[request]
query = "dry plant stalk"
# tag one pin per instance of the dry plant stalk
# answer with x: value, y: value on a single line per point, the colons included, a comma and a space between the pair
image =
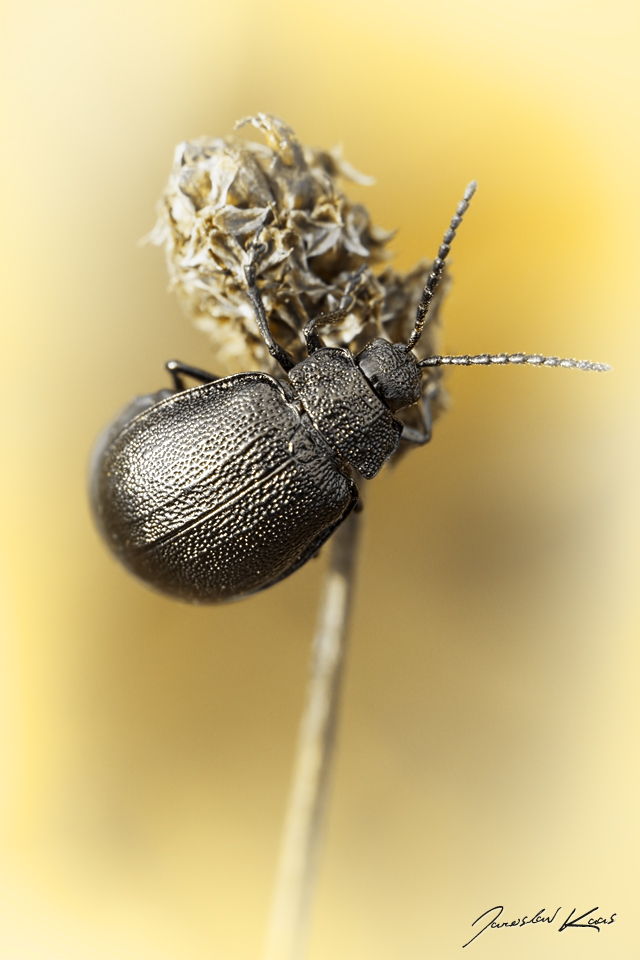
x: 227, y: 198
x: 303, y: 827
x: 223, y: 194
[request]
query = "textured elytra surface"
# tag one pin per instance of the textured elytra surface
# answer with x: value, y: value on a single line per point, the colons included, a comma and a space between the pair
x: 220, y: 491
x: 345, y: 409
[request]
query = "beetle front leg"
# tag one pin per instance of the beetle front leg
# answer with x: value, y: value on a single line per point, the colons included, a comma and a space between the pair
x: 415, y: 435
x: 278, y: 353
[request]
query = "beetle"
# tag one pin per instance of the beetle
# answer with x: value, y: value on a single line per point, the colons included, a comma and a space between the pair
x: 213, y: 493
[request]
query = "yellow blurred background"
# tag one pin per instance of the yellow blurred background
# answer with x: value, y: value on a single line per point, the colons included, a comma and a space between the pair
x: 489, y: 738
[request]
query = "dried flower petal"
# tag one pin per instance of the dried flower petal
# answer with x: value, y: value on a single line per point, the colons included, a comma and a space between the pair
x: 222, y: 192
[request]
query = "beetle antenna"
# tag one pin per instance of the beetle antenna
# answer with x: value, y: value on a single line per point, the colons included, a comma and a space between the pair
x: 501, y: 359
x: 256, y: 251
x: 437, y: 268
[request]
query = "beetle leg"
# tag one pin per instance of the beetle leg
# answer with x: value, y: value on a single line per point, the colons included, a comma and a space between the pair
x: 178, y: 370
x: 417, y: 436
x: 278, y: 353
x: 311, y: 338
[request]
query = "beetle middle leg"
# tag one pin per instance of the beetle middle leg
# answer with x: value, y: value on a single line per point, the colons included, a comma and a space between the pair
x: 178, y: 370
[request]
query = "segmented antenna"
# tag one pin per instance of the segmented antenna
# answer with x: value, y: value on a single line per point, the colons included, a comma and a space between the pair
x: 438, y: 267
x: 501, y: 359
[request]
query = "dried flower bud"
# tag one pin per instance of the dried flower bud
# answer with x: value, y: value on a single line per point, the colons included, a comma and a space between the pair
x: 222, y: 193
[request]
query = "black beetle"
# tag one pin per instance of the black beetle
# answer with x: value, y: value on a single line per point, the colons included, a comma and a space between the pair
x: 213, y: 493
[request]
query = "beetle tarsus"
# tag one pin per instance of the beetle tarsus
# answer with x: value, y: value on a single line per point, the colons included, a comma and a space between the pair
x: 312, y: 340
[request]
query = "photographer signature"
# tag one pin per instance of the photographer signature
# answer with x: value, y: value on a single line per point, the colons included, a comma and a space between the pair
x: 592, y: 923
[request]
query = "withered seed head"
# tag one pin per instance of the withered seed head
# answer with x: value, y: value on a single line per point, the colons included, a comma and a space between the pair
x: 222, y: 192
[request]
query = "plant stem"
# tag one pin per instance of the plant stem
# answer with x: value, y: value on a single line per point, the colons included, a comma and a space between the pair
x: 300, y: 844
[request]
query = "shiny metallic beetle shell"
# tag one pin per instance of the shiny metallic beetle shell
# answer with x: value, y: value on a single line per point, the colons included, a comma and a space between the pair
x: 214, y: 493
x: 219, y: 491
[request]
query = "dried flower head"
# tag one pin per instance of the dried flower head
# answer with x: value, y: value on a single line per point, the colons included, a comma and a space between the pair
x: 224, y: 192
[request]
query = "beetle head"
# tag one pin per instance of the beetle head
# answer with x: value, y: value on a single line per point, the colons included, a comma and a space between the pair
x: 393, y: 372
